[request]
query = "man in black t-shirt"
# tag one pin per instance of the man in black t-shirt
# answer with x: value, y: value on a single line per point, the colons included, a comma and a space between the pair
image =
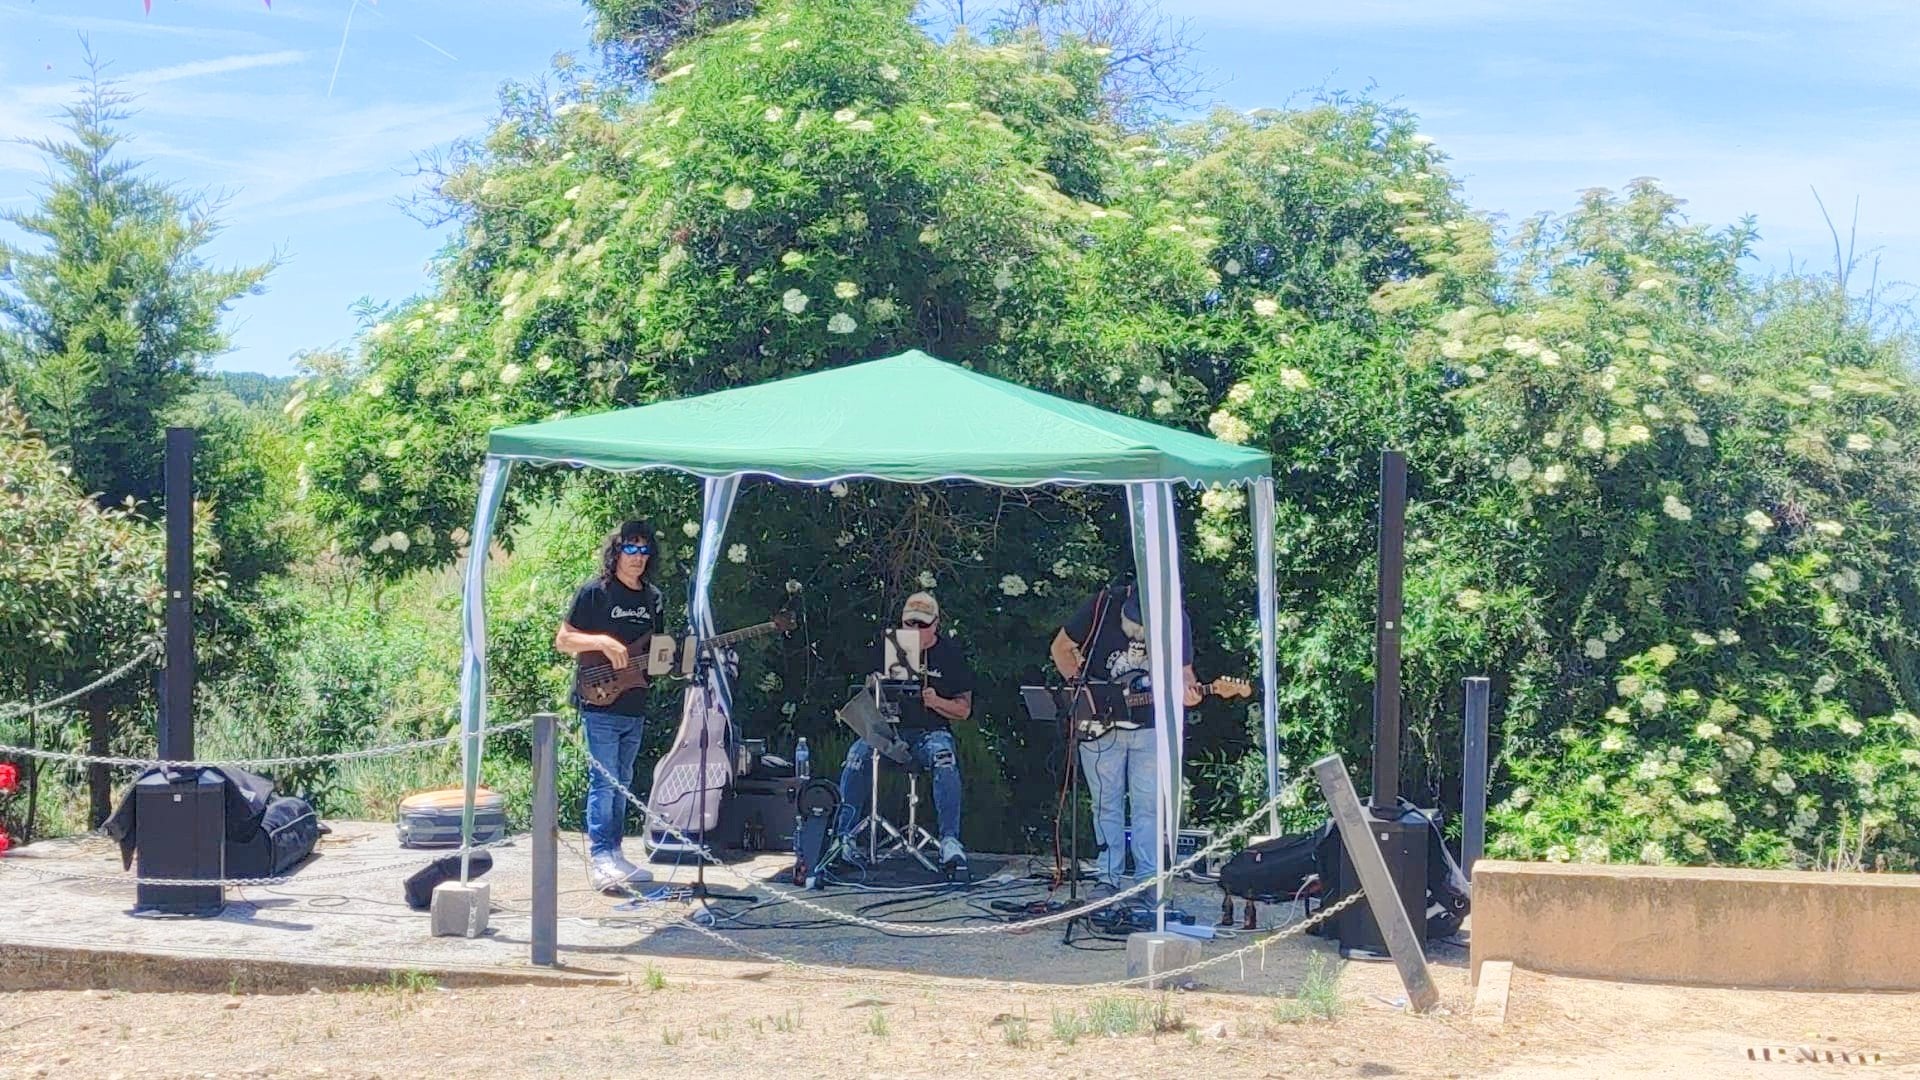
x: 947, y: 696
x: 1121, y: 765
x: 616, y: 613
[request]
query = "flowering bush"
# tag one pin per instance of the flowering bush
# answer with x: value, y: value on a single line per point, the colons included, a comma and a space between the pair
x: 1670, y: 509
x: 1717, y: 522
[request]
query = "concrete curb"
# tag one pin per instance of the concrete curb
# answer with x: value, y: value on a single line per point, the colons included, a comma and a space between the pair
x: 48, y: 965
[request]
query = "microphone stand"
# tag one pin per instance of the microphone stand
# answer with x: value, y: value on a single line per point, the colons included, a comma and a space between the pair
x: 1075, y: 687
x: 703, y: 664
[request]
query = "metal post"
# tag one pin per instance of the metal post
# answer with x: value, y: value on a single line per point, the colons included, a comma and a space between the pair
x: 546, y: 844
x: 176, y: 708
x: 1386, y: 651
x: 1383, y: 899
x: 1473, y: 781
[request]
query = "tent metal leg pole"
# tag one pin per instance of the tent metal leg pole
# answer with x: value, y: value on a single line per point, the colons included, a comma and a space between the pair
x: 546, y: 843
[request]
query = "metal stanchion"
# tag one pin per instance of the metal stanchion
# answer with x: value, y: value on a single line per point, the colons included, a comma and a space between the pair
x: 546, y: 843
x: 1362, y: 846
x: 1473, y: 780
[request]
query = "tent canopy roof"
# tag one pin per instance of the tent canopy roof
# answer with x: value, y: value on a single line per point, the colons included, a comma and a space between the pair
x: 907, y: 418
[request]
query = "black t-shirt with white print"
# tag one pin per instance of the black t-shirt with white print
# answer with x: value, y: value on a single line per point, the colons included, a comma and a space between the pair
x: 628, y: 615
x: 948, y: 672
x: 1113, y: 656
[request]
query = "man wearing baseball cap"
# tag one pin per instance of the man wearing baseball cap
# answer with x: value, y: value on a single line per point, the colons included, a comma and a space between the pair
x: 947, y: 694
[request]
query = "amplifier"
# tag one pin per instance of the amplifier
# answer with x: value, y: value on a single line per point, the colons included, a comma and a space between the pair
x: 180, y: 832
x: 1188, y: 841
x: 759, y: 814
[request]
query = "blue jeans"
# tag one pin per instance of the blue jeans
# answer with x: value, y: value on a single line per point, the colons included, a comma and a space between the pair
x: 933, y: 751
x: 1124, y: 781
x: 613, y: 740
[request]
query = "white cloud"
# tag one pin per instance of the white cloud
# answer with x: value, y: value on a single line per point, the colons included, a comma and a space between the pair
x: 199, y: 69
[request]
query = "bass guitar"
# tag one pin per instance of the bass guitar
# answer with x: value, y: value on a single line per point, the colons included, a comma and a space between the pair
x: 599, y: 683
x: 1094, y: 721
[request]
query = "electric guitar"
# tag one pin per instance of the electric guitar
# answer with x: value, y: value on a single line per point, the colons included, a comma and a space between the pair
x: 1093, y: 723
x: 599, y: 683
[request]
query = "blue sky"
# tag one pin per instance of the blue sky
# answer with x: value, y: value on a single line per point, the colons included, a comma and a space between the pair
x: 1535, y: 100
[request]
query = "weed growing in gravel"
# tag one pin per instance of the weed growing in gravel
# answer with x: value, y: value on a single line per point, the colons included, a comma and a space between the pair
x: 655, y: 978
x: 1318, y: 996
x: 877, y: 1024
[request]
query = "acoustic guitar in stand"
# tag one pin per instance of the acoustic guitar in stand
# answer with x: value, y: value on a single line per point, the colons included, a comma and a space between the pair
x: 600, y: 684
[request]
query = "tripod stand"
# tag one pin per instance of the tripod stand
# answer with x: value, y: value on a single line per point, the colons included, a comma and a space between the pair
x: 706, y: 674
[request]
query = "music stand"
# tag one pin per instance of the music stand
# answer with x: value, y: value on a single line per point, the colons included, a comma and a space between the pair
x: 897, y: 700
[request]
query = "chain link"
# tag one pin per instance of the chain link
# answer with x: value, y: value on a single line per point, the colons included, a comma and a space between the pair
x: 241, y: 883
x: 948, y: 931
x: 258, y: 763
x: 28, y: 708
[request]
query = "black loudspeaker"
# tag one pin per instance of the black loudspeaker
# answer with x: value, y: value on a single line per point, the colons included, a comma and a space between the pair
x: 420, y: 886
x: 182, y: 817
x: 1403, y: 842
x: 818, y: 803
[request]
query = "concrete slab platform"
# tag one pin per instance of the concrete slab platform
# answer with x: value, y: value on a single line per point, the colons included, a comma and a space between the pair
x: 329, y: 927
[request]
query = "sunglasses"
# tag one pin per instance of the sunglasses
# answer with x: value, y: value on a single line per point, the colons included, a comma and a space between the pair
x: 918, y: 622
x: 636, y: 549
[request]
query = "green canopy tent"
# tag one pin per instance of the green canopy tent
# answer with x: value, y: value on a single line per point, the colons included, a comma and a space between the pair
x: 911, y: 419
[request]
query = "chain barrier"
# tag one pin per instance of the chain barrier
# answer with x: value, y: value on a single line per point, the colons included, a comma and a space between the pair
x: 26, y: 864
x: 257, y: 763
x: 29, y: 708
x: 1219, y: 842
x: 1292, y: 929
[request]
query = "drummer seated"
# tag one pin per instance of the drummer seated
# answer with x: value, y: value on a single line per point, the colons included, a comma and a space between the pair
x: 947, y: 697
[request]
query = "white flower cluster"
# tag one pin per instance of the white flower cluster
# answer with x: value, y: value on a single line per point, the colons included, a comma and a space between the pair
x: 1013, y: 585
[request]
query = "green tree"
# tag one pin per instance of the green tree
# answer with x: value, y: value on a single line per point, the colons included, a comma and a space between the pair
x: 109, y: 307
x: 80, y: 586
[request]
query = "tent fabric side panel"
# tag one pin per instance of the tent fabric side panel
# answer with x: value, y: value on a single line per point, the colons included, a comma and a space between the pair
x: 473, y: 644
x: 1263, y: 523
x: 717, y: 496
x: 1156, y: 553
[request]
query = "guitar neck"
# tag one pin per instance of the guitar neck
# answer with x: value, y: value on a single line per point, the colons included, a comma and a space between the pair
x: 1134, y: 701
x: 746, y: 633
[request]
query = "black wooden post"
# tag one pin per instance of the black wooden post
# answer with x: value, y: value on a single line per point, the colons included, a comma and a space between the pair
x: 176, y: 706
x: 1386, y: 650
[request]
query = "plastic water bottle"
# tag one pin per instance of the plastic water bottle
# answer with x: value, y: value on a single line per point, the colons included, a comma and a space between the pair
x: 802, y: 761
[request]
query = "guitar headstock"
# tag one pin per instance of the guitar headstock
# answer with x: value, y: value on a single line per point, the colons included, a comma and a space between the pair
x: 782, y: 621
x: 1228, y: 687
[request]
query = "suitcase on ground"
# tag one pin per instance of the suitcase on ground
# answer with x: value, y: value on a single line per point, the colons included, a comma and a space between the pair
x: 431, y: 819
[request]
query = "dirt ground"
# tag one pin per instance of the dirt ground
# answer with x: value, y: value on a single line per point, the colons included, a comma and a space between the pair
x: 711, y: 1020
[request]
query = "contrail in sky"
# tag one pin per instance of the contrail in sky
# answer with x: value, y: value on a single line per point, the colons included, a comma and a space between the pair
x: 342, y: 54
x: 436, y: 48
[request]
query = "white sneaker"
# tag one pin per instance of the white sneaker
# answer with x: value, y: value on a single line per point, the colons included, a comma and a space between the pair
x: 634, y: 875
x: 611, y: 872
x: 951, y: 853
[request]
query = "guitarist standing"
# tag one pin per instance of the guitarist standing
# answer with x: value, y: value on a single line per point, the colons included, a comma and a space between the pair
x: 617, y: 608
x: 1121, y: 767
